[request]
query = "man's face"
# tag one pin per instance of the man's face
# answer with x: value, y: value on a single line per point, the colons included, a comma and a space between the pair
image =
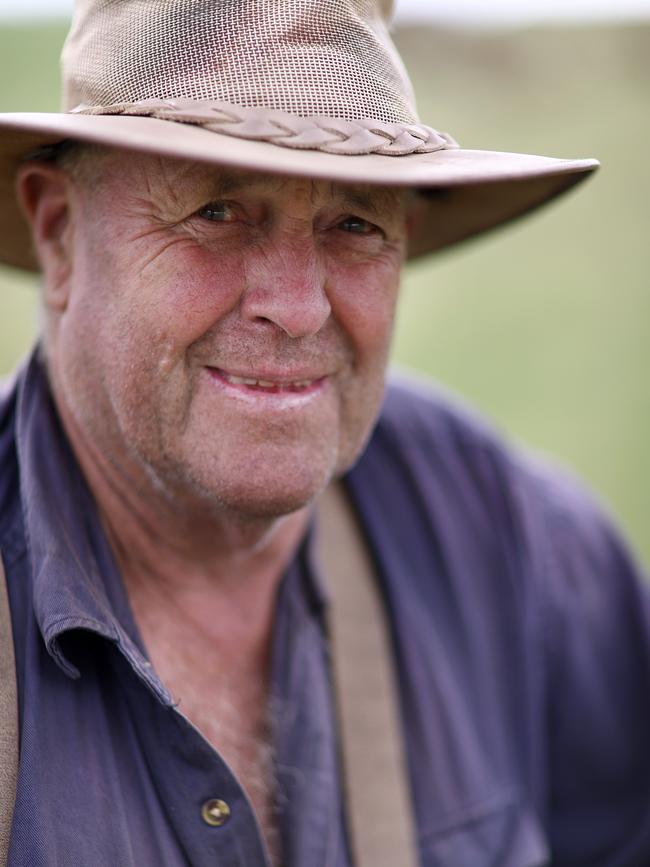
x: 226, y: 332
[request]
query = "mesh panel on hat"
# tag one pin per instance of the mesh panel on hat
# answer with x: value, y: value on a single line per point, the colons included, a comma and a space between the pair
x: 307, y: 57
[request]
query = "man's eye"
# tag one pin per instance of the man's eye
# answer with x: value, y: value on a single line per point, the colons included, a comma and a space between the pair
x: 357, y: 226
x: 218, y: 212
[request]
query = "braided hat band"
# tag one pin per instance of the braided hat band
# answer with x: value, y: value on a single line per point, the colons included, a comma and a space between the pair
x: 331, y: 135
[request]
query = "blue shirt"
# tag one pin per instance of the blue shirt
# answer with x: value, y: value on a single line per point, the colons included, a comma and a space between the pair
x: 522, y: 641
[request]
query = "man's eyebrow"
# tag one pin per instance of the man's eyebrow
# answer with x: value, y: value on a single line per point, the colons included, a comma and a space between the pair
x: 370, y: 200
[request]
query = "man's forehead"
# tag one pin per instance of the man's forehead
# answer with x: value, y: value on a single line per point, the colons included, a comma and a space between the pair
x: 234, y: 180
x: 226, y: 181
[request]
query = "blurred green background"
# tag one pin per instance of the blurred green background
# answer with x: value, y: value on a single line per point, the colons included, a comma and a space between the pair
x: 545, y: 326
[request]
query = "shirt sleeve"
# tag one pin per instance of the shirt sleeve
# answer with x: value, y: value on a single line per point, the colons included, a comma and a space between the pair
x: 597, y: 646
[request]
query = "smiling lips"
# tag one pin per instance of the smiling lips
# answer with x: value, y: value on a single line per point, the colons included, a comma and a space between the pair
x: 268, y: 386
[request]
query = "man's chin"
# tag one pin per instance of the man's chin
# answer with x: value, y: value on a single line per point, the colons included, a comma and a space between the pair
x: 268, y: 497
x: 263, y: 494
x: 256, y: 510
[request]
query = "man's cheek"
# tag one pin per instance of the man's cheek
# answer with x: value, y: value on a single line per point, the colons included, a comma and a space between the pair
x: 191, y: 291
x: 367, y: 310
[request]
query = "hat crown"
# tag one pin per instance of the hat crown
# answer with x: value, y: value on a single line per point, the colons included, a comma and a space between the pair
x: 305, y: 57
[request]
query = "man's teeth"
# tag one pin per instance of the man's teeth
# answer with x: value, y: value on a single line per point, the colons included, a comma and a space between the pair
x: 266, y: 383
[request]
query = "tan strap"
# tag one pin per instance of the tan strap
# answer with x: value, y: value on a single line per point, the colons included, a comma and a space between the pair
x: 379, y: 809
x: 8, y: 721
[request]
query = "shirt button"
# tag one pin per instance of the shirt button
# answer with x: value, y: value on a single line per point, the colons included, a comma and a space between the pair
x: 215, y: 812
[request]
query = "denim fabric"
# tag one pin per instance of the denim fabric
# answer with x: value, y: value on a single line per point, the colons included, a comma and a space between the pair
x: 521, y: 635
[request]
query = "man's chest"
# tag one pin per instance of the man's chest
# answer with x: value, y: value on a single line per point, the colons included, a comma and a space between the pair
x: 222, y: 691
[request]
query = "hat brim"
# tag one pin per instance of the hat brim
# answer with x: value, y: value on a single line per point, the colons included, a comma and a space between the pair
x: 464, y: 192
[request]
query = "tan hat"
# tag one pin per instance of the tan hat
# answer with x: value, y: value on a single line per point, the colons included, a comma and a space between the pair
x: 294, y: 87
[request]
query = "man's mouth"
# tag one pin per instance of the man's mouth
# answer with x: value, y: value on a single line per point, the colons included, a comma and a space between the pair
x: 267, y: 384
x: 284, y: 385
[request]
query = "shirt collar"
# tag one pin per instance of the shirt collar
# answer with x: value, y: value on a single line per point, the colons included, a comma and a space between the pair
x: 76, y: 584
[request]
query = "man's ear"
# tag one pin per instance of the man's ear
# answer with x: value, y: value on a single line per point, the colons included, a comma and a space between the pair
x: 44, y: 192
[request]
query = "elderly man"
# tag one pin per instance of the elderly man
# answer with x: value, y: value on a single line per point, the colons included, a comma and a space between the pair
x: 220, y: 219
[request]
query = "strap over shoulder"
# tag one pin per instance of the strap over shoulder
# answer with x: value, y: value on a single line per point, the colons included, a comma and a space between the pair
x: 379, y: 807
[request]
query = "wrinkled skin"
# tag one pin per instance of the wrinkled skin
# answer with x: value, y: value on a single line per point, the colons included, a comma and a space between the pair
x: 167, y: 272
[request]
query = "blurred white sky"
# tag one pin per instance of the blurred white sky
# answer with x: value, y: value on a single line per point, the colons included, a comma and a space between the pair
x: 466, y: 11
x: 486, y: 11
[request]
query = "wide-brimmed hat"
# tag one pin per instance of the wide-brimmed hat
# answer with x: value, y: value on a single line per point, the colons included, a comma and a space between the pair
x: 295, y: 87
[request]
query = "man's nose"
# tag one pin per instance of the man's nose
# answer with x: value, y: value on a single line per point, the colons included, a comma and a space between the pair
x: 287, y: 286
